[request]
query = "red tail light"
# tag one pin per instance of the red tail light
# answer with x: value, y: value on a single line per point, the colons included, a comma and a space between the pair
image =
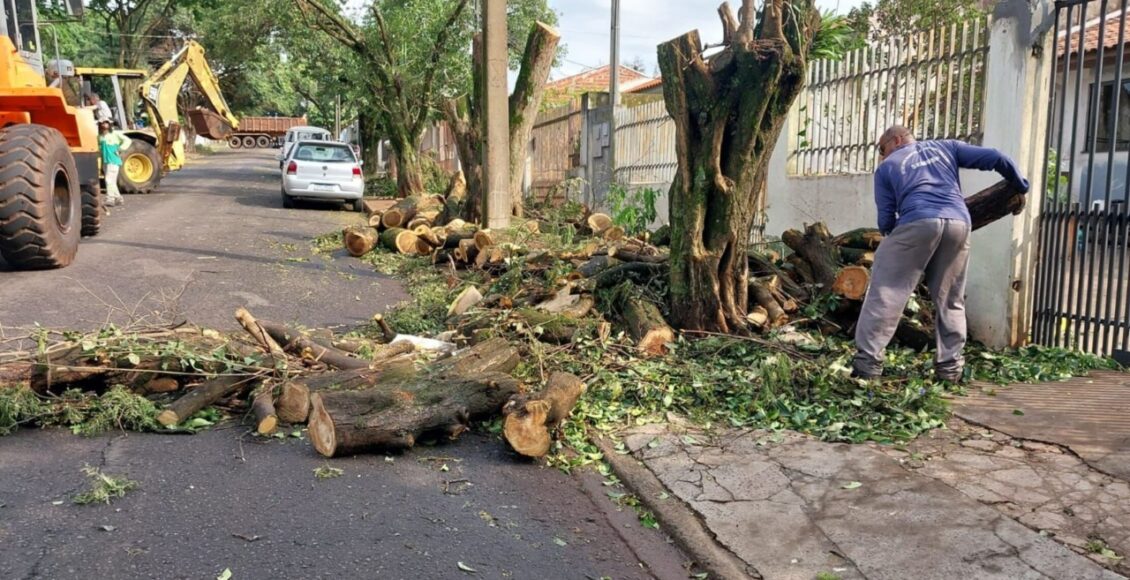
x: 356, y: 171
x: 292, y: 168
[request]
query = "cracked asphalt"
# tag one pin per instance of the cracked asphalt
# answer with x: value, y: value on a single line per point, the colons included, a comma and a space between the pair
x: 215, y: 239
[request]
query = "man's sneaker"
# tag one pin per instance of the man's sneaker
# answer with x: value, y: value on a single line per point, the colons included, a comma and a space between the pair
x: 856, y: 374
x: 950, y: 376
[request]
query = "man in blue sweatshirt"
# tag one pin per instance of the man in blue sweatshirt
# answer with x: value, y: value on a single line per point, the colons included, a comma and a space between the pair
x: 926, y: 225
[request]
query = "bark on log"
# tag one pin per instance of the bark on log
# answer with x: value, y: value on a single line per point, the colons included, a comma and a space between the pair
x: 296, y: 343
x: 199, y: 397
x: 263, y: 408
x: 387, y: 332
x: 629, y: 255
x: 466, y: 251
x: 530, y: 420
x: 857, y: 256
x: 860, y: 239
x: 852, y: 282
x: 596, y: 265
x: 400, y: 214
x: 761, y: 265
x: 816, y: 248
x: 293, y: 404
x: 801, y: 269
x: 466, y: 300
x: 637, y: 272
x: 395, y: 417
x: 661, y: 237
x: 525, y: 102
x: 993, y: 203
x: 761, y: 294
x: 455, y: 197
x: 261, y: 336
x: 359, y: 240
x: 647, y: 327
x: 455, y: 236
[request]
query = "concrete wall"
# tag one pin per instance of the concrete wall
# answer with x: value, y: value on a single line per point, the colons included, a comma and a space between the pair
x: 1002, y: 264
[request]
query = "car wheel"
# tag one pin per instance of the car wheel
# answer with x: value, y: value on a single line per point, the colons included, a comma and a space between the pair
x: 288, y: 201
x: 359, y: 205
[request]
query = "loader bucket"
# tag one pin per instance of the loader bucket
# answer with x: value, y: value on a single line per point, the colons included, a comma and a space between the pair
x: 209, y: 124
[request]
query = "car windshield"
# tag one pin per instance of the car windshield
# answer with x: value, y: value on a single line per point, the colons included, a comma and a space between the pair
x: 334, y: 153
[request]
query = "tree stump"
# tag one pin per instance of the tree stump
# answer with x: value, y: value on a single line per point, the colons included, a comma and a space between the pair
x: 725, y: 131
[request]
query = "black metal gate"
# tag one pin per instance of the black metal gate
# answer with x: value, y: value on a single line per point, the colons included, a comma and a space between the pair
x: 1082, y: 291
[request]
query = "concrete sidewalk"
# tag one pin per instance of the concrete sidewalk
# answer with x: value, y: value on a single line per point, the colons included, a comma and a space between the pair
x: 792, y: 507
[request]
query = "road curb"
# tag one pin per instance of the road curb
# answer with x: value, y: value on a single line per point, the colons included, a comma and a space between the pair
x: 677, y: 519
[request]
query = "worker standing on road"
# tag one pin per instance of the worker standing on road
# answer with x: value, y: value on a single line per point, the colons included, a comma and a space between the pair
x: 112, y: 143
x: 926, y: 225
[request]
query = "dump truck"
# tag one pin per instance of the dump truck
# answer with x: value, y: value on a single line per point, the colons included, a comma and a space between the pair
x: 49, y: 186
x: 261, y: 132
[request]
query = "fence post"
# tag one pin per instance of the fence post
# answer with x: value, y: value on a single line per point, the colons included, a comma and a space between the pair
x: 1015, y: 116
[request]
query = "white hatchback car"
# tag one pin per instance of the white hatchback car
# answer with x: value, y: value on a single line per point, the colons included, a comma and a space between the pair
x: 323, y: 170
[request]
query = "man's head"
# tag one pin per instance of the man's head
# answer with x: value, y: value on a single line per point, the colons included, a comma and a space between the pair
x: 93, y: 98
x: 892, y: 139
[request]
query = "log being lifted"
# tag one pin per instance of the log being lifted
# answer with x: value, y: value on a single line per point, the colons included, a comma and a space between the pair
x: 359, y: 240
x: 395, y: 413
x: 530, y: 419
x: 994, y: 203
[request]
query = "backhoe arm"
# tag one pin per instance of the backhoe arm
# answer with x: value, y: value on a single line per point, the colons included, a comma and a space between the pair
x: 160, y: 91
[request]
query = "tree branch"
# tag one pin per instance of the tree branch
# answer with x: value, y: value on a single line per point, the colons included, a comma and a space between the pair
x: 433, y: 63
x: 729, y: 23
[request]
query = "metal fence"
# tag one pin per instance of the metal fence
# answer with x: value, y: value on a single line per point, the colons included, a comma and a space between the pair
x: 932, y: 82
x: 1082, y: 297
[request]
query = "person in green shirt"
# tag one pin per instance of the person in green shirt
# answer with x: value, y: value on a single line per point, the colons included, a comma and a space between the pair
x: 112, y: 143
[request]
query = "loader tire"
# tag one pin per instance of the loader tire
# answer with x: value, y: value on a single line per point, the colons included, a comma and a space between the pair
x: 40, y: 201
x: 93, y: 209
x: 141, y: 168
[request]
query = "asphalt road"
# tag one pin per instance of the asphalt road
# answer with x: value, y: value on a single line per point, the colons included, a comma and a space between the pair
x: 215, y: 238
x: 222, y: 499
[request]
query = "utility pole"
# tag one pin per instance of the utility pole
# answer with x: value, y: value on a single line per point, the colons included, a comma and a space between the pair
x: 337, y: 117
x: 614, y: 89
x: 496, y: 118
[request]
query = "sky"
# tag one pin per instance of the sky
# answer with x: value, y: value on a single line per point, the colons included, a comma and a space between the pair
x: 585, y: 27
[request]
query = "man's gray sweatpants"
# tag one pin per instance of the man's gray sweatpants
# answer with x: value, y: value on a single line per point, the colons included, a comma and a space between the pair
x: 937, y: 249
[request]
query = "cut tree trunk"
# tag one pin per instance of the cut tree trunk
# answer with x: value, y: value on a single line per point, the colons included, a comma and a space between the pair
x: 816, y: 248
x: 359, y: 240
x: 399, y: 215
x: 401, y: 240
x: 761, y: 265
x: 761, y: 294
x: 199, y: 397
x: 395, y: 417
x: 263, y: 408
x: 525, y: 102
x: 530, y: 419
x: 293, y: 404
x: 598, y: 222
x: 724, y: 136
x: 647, y: 327
x: 852, y: 282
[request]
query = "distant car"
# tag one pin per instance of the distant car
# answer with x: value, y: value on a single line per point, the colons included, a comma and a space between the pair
x: 323, y: 170
x: 300, y: 133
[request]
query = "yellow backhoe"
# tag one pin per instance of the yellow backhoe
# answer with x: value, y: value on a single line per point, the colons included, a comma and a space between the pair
x: 159, y: 147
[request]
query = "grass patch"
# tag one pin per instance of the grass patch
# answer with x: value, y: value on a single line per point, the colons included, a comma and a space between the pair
x: 103, y: 488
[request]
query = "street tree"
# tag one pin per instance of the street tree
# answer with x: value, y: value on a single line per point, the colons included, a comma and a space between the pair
x: 882, y: 18
x: 403, y: 48
x: 725, y: 133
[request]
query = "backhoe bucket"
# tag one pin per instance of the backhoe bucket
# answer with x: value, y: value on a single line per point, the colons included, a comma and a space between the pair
x: 209, y: 124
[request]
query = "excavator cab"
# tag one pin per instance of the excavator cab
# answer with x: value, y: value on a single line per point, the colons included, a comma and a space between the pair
x: 50, y: 194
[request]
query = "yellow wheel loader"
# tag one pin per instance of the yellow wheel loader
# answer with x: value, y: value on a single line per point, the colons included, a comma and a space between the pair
x: 49, y: 192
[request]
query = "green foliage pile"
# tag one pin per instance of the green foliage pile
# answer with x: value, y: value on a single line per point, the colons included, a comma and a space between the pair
x: 84, y: 413
x: 380, y: 187
x: 727, y: 381
x: 633, y: 210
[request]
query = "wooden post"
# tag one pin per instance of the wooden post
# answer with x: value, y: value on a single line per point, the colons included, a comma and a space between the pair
x: 496, y: 152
